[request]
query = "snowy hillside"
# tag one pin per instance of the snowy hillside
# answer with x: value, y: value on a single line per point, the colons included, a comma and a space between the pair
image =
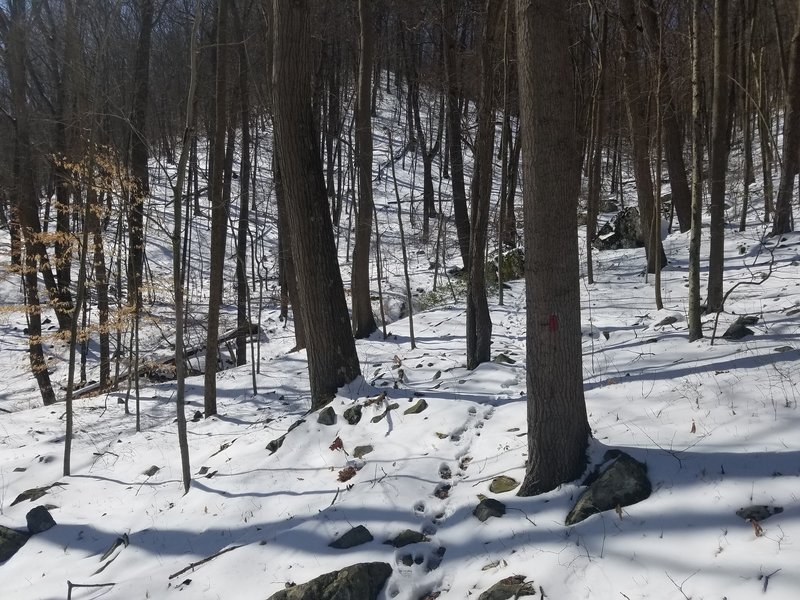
x: 715, y: 422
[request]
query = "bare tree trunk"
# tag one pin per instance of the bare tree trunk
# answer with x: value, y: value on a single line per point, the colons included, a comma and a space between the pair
x: 636, y: 101
x: 288, y: 278
x: 454, y: 130
x: 558, y: 431
x: 479, y: 322
x: 242, y: 291
x: 673, y: 134
x: 791, y: 140
x: 219, y: 212
x: 765, y: 140
x: 363, y: 317
x: 596, y: 148
x: 94, y: 225
x: 24, y: 201
x: 719, y: 156
x: 332, y: 358
x: 178, y: 252
x: 695, y: 310
x: 139, y: 155
x: 748, y: 103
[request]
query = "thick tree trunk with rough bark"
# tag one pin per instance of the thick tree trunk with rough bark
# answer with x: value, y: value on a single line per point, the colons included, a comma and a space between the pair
x: 332, y: 359
x: 558, y: 431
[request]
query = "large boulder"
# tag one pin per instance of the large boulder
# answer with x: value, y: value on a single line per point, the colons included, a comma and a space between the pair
x: 510, y: 264
x: 624, y: 230
x: 10, y: 541
x: 362, y: 581
x: 621, y: 483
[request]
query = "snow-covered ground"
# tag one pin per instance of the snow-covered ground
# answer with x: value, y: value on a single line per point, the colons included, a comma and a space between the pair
x: 716, y: 424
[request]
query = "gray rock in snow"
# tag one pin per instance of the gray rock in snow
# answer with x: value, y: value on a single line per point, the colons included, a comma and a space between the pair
x: 363, y: 581
x: 739, y: 328
x: 622, y: 483
x: 758, y: 512
x: 489, y: 507
x: 327, y: 416
x: 510, y: 587
x: 355, y: 537
x: 39, y: 519
x: 10, y: 542
x: 353, y: 414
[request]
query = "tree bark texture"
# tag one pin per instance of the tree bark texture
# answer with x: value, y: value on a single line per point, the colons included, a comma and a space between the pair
x: 558, y: 431
x: 332, y: 358
x: 719, y: 157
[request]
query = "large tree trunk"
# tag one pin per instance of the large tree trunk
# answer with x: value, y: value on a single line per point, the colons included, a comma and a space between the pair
x: 332, y: 358
x: 636, y: 101
x: 454, y: 130
x: 558, y: 431
x: 719, y: 157
x: 219, y: 213
x: 479, y: 322
x: 791, y: 140
x: 363, y: 317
